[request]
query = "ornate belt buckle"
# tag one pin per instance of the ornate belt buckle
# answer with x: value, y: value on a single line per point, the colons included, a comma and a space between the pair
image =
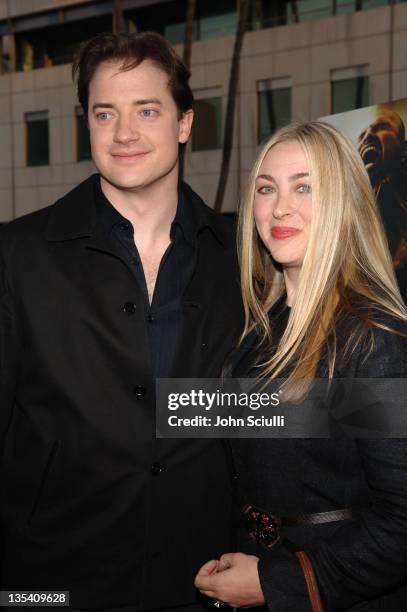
x: 263, y: 527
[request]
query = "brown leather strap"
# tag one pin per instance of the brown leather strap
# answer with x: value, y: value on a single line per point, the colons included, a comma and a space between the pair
x: 310, y: 580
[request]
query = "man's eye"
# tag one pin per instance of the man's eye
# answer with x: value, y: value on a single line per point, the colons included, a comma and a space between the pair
x: 103, y: 116
x: 148, y: 112
x: 266, y: 189
x: 304, y: 189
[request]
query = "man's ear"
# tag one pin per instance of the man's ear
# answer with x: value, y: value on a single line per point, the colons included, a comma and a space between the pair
x: 185, y: 125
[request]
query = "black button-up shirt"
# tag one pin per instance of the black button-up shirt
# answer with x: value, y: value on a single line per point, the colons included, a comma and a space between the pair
x: 163, y: 316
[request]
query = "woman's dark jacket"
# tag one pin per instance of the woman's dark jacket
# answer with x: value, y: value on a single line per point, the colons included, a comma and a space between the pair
x: 360, y: 564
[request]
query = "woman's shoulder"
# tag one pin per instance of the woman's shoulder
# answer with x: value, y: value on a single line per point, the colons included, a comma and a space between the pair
x: 372, y: 345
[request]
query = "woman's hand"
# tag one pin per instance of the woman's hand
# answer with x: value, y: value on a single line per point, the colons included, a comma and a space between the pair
x: 233, y: 580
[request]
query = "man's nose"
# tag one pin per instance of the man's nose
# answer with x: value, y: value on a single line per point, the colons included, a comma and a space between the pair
x: 126, y: 130
x: 371, y: 130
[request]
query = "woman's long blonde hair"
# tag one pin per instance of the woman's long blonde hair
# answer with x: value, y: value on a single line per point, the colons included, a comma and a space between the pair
x: 347, y: 256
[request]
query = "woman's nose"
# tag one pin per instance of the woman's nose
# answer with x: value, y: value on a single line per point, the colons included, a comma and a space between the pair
x: 282, y: 206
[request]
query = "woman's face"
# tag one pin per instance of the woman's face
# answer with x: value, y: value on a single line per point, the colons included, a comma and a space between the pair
x: 282, y: 203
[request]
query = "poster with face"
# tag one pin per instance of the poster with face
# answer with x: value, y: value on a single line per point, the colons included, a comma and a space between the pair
x: 379, y: 133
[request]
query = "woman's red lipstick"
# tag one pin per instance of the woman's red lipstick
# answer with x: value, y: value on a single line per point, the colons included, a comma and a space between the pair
x: 280, y: 232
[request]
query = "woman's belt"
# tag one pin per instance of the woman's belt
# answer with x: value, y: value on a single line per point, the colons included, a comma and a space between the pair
x: 265, y: 528
x: 317, y: 518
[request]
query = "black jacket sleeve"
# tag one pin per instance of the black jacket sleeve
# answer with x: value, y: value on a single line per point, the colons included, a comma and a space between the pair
x: 10, y: 346
x: 367, y: 557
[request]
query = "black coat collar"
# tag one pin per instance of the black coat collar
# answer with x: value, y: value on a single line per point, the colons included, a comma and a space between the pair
x: 74, y: 215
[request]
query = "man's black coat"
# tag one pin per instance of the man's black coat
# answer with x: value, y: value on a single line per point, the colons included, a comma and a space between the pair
x: 90, y: 501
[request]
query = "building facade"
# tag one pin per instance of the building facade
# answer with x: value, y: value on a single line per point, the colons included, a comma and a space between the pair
x: 300, y: 60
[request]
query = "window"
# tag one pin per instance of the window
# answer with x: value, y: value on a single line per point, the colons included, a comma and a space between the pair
x: 213, y: 18
x: 207, y: 126
x: 370, y: 4
x: 56, y: 44
x: 37, y: 138
x: 83, y: 151
x: 216, y: 18
x: 349, y: 89
x: 308, y: 10
x: 274, y: 106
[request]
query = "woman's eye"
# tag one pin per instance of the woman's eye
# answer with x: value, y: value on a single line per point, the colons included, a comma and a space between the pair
x: 266, y: 189
x: 304, y: 189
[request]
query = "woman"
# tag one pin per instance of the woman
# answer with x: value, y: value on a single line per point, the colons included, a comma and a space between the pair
x: 321, y: 300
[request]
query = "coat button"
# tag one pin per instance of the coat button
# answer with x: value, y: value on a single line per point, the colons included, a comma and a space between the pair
x: 157, y: 469
x: 139, y: 391
x: 129, y: 308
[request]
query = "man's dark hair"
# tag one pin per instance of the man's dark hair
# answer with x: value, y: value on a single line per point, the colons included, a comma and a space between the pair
x: 131, y: 50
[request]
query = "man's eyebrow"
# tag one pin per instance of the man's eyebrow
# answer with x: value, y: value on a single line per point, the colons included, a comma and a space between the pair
x: 102, y: 105
x: 142, y: 102
x: 293, y: 177
x: 148, y: 101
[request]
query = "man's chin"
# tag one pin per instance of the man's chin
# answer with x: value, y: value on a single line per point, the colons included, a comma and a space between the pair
x: 135, y: 179
x: 126, y: 183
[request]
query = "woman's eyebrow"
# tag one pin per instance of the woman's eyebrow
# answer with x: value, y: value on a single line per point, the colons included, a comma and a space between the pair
x: 298, y: 175
x: 293, y: 177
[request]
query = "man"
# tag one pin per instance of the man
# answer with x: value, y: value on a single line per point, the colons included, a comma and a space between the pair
x: 383, y: 148
x: 126, y: 278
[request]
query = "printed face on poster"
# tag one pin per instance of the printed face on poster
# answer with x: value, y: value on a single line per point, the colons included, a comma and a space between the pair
x: 379, y: 133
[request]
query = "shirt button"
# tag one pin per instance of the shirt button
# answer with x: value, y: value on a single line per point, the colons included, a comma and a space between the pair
x: 157, y: 469
x: 129, y: 308
x: 139, y: 391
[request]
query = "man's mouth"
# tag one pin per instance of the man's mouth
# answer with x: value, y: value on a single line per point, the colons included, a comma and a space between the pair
x: 370, y: 154
x: 129, y: 156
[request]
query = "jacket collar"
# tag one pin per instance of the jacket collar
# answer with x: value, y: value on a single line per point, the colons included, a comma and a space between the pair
x: 203, y: 216
x: 74, y: 215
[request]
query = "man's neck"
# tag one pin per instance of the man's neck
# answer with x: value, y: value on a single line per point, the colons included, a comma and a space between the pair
x: 150, y: 209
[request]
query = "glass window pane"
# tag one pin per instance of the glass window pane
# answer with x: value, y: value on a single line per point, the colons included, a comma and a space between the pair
x: 349, y: 94
x: 346, y: 6
x: 82, y: 137
x: 370, y: 4
x: 309, y: 10
x: 217, y: 25
x: 207, y: 126
x: 37, y: 138
x: 175, y: 33
x: 274, y: 111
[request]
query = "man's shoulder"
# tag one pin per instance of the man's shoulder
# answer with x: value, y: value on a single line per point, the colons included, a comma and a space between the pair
x: 26, y: 226
x: 223, y: 225
x: 33, y: 225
